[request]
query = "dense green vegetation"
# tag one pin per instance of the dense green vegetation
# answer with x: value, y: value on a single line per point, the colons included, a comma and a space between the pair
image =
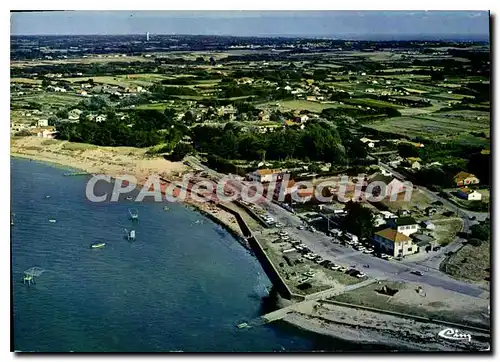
x: 318, y: 142
x: 359, y: 220
x: 144, y: 128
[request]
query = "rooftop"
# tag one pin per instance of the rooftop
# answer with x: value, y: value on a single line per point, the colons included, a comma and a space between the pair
x: 266, y: 171
x: 405, y: 220
x: 462, y: 175
x: 392, y: 235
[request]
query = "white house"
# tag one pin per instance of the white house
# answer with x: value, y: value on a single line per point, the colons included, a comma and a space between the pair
x: 394, y: 243
x: 43, y: 122
x: 264, y: 175
x: 405, y: 225
x: 304, y: 118
x: 100, y: 118
x: 74, y: 114
x: 468, y: 194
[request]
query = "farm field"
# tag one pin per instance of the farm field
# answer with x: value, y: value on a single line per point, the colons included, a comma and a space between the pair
x: 301, y: 104
x: 122, y: 80
x: 452, y: 123
x: 25, y: 80
x: 52, y: 99
x: 372, y: 102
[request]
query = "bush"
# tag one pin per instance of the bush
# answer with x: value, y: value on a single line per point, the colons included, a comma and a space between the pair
x: 23, y: 133
x: 481, y: 232
x: 475, y: 242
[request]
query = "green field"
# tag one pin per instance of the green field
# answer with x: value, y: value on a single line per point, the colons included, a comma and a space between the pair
x: 25, y: 80
x: 300, y: 105
x: 50, y: 99
x: 124, y: 80
x: 453, y: 123
x: 369, y: 102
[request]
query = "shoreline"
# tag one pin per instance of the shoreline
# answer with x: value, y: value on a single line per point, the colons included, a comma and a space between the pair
x: 201, y: 208
x: 352, y: 332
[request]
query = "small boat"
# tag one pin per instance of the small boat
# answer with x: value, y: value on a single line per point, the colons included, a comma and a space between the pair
x: 129, y: 198
x: 243, y: 325
x: 166, y: 208
x: 52, y: 220
x: 97, y: 245
x: 47, y: 196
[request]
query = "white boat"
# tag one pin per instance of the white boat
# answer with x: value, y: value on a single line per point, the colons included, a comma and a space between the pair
x: 97, y: 245
x: 52, y: 220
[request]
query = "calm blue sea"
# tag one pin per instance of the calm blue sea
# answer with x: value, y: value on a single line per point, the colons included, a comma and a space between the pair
x: 179, y: 286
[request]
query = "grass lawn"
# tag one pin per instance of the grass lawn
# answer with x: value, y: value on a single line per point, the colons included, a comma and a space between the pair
x: 469, y: 263
x: 25, y: 80
x: 418, y: 200
x: 446, y: 230
x: 154, y: 106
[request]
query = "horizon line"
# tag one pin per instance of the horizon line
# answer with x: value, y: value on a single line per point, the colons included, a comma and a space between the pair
x: 361, y: 37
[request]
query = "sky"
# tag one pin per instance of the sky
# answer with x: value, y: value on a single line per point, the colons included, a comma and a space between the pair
x: 334, y: 24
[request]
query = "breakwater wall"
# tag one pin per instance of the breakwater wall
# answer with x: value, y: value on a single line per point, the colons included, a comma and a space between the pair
x: 265, y: 261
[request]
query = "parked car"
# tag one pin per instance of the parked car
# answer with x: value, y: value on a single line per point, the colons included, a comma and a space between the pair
x: 309, y: 274
x: 301, y: 227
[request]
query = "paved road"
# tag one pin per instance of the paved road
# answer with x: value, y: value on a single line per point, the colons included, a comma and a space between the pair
x: 378, y: 268
x: 466, y: 214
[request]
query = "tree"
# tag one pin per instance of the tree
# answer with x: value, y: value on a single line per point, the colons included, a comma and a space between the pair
x: 437, y: 76
x: 181, y: 150
x: 359, y: 220
x: 475, y: 242
x: 46, y: 83
x: 188, y: 118
x: 170, y: 114
x: 62, y: 113
x: 480, y: 165
x: 481, y: 232
x: 52, y: 120
x: 406, y: 150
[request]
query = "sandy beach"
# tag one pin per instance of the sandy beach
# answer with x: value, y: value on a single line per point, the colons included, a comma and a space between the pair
x: 374, y: 328
x: 114, y: 162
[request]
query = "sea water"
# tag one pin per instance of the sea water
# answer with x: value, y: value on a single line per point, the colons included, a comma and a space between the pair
x: 180, y: 286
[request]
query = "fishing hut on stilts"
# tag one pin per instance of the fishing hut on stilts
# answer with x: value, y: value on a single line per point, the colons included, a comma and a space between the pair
x: 31, y: 273
x: 134, y: 214
x: 130, y: 235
